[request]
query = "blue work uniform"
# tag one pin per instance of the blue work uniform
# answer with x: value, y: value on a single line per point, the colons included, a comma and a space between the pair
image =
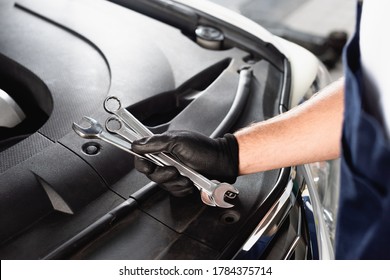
x: 363, y: 225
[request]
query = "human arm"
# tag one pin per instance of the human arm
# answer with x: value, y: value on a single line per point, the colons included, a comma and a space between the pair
x: 307, y: 133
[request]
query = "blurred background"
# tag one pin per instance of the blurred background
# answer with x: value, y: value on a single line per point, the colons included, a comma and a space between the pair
x: 322, y: 26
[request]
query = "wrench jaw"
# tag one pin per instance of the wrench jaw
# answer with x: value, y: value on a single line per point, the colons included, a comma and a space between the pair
x: 92, y: 130
x: 221, y: 191
x: 217, y: 197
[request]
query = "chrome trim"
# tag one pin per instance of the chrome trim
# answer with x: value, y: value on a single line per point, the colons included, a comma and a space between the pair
x: 292, y: 248
x: 294, y: 244
x: 325, y: 247
x: 271, y: 222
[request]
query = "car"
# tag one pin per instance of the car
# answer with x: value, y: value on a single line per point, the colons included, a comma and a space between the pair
x: 174, y: 64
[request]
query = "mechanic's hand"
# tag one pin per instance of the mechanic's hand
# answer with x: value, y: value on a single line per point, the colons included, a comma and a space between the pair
x: 217, y: 159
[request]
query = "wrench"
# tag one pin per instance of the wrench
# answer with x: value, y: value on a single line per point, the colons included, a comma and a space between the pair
x: 94, y: 130
x: 214, y: 190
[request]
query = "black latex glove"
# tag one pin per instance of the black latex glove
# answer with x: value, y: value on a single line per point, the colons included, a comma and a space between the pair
x: 217, y: 159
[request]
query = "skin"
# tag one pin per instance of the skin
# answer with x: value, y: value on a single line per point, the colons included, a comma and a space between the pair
x: 308, y: 133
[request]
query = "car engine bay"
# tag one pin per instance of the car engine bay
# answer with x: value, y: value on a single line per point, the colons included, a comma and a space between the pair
x: 62, y: 196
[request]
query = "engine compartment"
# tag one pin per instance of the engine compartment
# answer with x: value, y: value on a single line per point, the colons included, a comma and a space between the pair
x: 66, y: 197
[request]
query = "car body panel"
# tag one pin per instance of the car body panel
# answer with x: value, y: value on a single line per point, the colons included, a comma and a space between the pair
x: 67, y: 197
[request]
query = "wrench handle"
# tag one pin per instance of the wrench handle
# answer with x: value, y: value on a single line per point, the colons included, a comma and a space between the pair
x: 133, y: 122
x: 123, y: 145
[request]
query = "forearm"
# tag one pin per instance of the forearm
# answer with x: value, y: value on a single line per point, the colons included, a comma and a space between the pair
x: 308, y: 133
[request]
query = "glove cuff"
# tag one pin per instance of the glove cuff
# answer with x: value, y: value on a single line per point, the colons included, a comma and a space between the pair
x: 231, y: 148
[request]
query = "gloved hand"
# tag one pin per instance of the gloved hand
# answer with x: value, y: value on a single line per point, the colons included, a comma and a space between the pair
x: 217, y: 159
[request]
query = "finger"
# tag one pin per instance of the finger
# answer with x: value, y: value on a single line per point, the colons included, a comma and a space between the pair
x: 163, y: 174
x: 144, y: 166
x: 180, y: 187
x: 170, y: 180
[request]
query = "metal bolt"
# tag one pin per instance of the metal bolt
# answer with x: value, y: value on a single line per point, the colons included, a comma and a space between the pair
x: 91, y: 148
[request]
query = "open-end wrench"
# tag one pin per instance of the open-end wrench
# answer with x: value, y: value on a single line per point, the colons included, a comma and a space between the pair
x: 212, y: 192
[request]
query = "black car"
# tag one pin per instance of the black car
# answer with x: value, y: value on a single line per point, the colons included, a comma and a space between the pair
x: 188, y: 65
